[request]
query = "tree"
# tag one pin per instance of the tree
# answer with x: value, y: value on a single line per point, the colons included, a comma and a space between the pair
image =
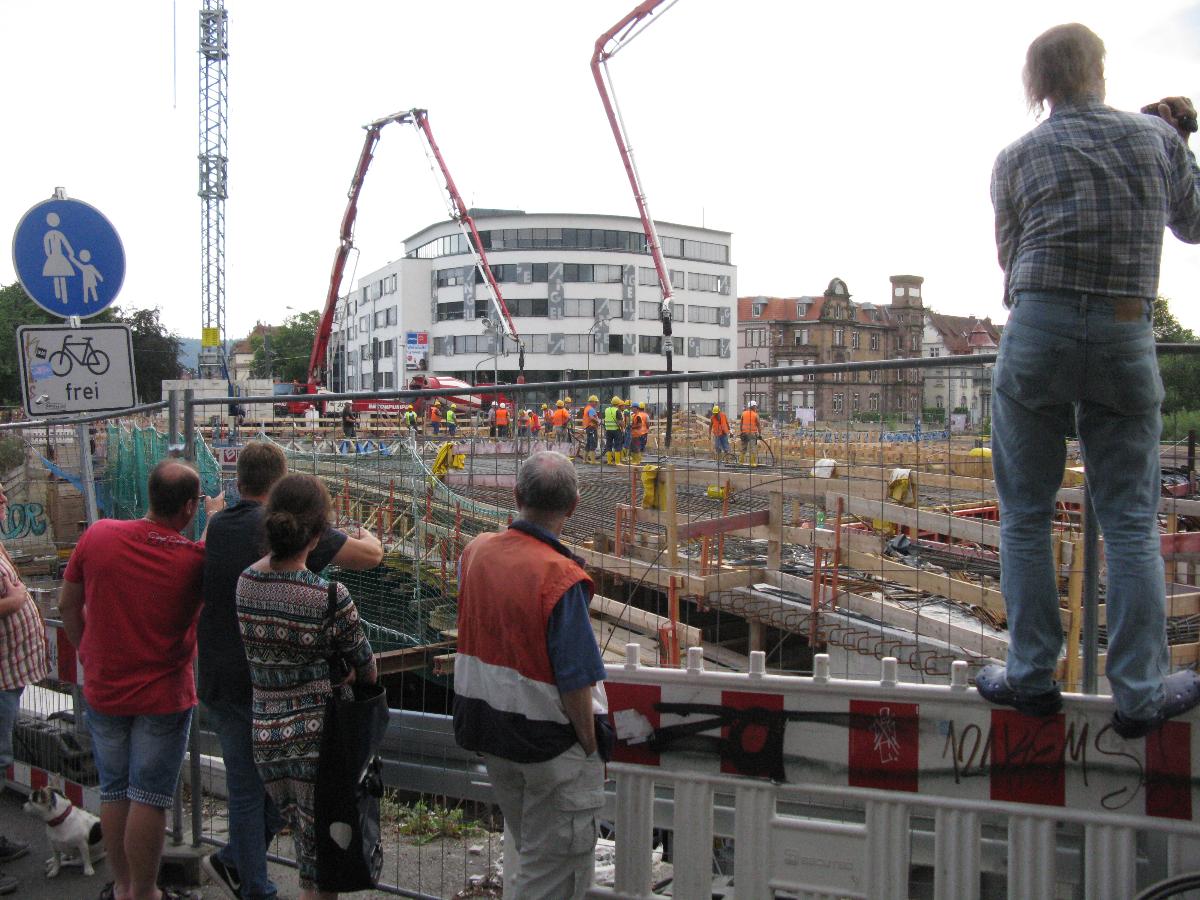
x: 1180, y: 372
x: 155, y: 351
x: 283, y: 353
x: 16, y: 309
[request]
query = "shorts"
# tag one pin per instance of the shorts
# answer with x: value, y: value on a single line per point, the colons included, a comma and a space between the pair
x: 139, y: 757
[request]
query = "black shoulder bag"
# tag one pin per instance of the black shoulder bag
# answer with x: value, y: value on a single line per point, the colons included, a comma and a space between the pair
x: 349, y: 783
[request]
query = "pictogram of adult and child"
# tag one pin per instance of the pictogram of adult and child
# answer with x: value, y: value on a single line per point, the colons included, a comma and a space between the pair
x: 62, y: 263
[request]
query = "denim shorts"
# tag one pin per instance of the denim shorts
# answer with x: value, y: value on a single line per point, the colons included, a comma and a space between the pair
x: 139, y: 757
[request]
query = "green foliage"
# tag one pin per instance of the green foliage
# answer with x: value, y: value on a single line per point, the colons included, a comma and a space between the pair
x: 933, y: 414
x: 865, y: 417
x: 12, y: 452
x: 1167, y: 329
x: 985, y: 426
x: 283, y: 355
x: 1176, y: 425
x: 426, y: 822
x: 1180, y: 372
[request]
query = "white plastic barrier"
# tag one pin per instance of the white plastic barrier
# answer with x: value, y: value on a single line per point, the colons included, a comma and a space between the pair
x: 884, y: 752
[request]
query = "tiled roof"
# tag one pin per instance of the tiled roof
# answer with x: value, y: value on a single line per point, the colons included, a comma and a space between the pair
x: 784, y: 309
x: 956, y: 330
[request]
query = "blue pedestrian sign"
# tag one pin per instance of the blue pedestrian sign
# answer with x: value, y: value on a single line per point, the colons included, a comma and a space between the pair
x: 68, y: 258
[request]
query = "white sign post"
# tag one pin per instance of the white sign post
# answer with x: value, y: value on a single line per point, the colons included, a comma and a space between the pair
x: 69, y: 370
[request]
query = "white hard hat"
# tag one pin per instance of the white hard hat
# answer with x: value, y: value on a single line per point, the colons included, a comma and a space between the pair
x: 504, y: 406
x: 754, y: 403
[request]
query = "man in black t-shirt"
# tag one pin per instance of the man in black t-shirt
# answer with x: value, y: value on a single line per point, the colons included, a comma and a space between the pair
x: 235, y: 541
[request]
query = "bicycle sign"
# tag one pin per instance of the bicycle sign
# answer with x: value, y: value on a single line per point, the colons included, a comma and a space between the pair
x: 67, y: 371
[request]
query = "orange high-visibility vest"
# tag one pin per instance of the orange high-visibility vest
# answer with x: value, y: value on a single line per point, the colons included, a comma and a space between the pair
x: 561, y: 417
x: 749, y: 421
x: 435, y: 414
x: 591, y: 418
x: 534, y: 422
x: 720, y: 424
x: 501, y: 416
x: 641, y: 423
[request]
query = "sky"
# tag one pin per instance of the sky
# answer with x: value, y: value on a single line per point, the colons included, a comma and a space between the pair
x: 849, y: 139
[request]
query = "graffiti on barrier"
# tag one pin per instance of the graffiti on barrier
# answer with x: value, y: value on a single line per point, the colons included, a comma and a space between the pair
x: 23, y: 520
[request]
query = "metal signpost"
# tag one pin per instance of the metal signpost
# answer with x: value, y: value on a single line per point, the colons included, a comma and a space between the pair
x: 71, y: 263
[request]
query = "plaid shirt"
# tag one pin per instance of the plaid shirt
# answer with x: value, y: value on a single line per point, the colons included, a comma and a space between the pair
x: 22, y: 635
x: 1082, y: 200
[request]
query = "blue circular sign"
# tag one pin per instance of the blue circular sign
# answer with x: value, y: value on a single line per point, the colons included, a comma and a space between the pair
x: 68, y: 258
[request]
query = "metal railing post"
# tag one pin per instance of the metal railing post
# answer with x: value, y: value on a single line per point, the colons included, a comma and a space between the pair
x: 194, y: 773
x: 173, y: 420
x: 1091, y: 594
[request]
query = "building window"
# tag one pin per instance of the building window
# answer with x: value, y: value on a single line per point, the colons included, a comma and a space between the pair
x: 707, y: 315
x: 364, y: 324
x: 874, y: 340
x: 838, y: 402
x: 854, y: 338
x: 802, y: 337
x: 755, y: 396
x: 755, y: 337
x: 386, y: 349
x: 874, y: 376
x: 935, y: 352
x: 854, y: 404
x: 700, y: 281
x: 386, y: 380
x: 708, y: 346
x: 651, y: 309
x: 839, y: 337
x: 914, y: 343
x: 677, y: 277
x: 873, y: 403
x: 650, y: 343
x: 939, y: 401
x: 450, y: 312
x: 801, y: 310
x: 585, y: 309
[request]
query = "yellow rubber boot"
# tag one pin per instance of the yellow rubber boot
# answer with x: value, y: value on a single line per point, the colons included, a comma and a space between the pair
x: 753, y: 458
x: 637, y: 459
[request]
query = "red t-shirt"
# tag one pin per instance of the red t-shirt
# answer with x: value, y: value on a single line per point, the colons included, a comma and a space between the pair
x: 141, y: 596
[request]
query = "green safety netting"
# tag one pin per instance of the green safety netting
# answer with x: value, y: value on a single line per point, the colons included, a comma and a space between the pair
x: 131, y: 453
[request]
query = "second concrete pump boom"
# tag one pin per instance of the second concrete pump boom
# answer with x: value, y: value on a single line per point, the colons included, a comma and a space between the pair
x: 458, y: 211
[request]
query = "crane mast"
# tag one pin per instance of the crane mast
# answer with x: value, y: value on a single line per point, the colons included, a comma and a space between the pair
x: 607, y: 46
x: 214, y: 164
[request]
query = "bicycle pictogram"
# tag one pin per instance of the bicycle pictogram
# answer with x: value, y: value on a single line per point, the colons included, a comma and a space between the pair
x: 81, y: 351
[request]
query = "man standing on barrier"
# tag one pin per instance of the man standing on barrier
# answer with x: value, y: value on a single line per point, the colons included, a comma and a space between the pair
x: 1081, y: 203
x: 23, y: 662
x: 234, y: 543
x: 527, y: 682
x: 129, y: 602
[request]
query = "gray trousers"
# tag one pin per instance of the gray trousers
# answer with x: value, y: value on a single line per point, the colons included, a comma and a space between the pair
x: 550, y: 813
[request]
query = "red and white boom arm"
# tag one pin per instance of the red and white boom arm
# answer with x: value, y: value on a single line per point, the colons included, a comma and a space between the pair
x: 419, y: 118
x: 607, y: 46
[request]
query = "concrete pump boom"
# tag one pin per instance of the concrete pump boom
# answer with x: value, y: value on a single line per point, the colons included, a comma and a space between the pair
x: 458, y: 211
x: 607, y: 46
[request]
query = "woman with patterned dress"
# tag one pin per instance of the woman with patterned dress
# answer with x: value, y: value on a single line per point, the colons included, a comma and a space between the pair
x: 287, y: 635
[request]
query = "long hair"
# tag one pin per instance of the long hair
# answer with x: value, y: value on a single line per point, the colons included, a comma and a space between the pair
x: 1065, y: 63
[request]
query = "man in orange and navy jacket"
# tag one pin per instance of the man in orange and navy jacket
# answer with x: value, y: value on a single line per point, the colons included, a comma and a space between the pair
x: 528, y: 682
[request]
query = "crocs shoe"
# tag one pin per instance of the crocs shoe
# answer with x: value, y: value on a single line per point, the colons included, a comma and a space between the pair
x: 1182, y: 693
x: 992, y: 684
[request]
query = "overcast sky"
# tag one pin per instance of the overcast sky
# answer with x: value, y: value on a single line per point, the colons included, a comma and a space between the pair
x: 847, y: 139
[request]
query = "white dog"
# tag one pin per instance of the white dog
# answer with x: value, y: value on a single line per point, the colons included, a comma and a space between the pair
x: 69, y: 828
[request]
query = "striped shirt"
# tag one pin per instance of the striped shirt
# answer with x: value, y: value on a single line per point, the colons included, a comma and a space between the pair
x: 1082, y: 200
x: 22, y: 635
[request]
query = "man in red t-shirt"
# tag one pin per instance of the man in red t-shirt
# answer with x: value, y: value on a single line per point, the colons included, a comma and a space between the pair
x: 129, y: 602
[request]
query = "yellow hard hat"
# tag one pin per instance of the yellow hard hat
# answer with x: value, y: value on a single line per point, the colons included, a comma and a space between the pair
x: 641, y: 404
x: 544, y: 406
x: 593, y: 399
x: 616, y: 401
x: 716, y: 408
x: 561, y: 403
x: 568, y: 400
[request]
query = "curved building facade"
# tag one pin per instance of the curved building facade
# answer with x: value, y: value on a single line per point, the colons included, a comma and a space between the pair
x: 582, y: 291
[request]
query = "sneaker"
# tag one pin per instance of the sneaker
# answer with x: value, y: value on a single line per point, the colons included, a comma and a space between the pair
x: 8, y: 884
x: 223, y: 876
x: 10, y: 850
x: 992, y: 684
x: 1182, y: 694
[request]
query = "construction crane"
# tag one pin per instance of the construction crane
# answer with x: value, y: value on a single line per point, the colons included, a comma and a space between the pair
x: 214, y: 189
x: 458, y: 212
x: 607, y: 46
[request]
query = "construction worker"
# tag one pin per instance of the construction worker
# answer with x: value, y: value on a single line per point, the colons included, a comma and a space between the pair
x: 452, y: 419
x: 569, y: 406
x: 522, y: 423
x: 626, y: 429
x: 719, y: 429
x: 639, y: 429
x: 751, y: 432
x: 547, y: 424
x: 614, y: 435
x: 491, y: 418
x: 411, y: 420
x: 535, y: 424
x: 560, y: 417
x: 435, y: 418
x: 502, y: 421
x: 591, y: 428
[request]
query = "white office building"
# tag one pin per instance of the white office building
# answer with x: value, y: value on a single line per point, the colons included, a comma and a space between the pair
x: 582, y: 292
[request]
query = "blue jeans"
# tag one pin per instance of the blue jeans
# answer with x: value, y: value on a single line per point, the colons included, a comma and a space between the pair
x: 1067, y: 354
x: 253, y: 818
x: 138, y: 757
x: 10, y: 708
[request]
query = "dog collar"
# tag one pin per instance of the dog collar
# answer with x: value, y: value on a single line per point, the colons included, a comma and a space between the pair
x: 58, y: 820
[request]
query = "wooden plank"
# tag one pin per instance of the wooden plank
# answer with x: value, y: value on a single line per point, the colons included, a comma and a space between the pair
x: 1075, y: 613
x: 1183, y: 604
x: 1169, y: 505
x: 1181, y: 655
x: 939, y: 583
x: 974, y: 530
x: 408, y: 659
x: 641, y: 620
x: 659, y: 576
x: 861, y: 541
